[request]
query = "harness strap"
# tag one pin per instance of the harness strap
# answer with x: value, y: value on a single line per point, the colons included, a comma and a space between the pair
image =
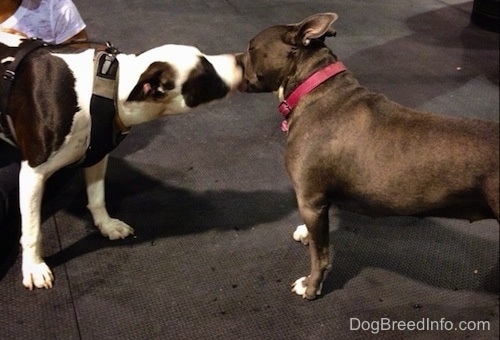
x: 105, y: 132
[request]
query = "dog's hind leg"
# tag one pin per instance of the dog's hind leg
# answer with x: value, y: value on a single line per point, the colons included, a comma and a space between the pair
x: 35, y: 272
x: 109, y: 227
x: 314, y: 213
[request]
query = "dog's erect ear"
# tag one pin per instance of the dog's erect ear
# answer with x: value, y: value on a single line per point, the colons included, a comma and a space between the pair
x: 316, y: 26
x: 154, y: 83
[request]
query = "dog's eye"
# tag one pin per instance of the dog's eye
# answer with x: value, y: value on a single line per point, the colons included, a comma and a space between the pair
x: 169, y: 85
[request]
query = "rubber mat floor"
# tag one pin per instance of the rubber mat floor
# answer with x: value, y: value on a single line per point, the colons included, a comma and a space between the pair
x: 213, y: 209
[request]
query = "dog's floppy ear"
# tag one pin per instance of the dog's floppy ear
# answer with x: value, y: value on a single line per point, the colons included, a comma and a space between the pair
x: 154, y: 83
x: 316, y: 26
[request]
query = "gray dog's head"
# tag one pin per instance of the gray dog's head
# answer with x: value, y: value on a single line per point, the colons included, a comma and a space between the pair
x: 274, y: 53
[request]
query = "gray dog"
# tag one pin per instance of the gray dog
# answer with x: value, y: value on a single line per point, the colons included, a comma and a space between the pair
x: 359, y: 150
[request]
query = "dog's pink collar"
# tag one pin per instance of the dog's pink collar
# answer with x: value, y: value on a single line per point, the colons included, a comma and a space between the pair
x: 287, y: 105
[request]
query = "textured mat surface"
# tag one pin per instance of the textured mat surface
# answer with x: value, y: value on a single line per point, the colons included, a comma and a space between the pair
x: 214, y: 211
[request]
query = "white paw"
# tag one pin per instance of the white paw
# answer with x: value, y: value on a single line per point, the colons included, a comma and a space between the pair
x: 299, y: 287
x: 37, y: 275
x: 115, y: 229
x: 301, y: 234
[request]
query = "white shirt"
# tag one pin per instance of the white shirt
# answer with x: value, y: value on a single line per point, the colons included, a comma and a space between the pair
x: 53, y: 21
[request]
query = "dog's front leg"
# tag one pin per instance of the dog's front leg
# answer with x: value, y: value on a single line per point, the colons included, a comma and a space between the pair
x: 316, y: 234
x: 31, y: 184
x: 109, y: 227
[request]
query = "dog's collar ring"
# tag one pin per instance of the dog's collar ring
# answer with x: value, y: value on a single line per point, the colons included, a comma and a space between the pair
x: 285, y: 109
x: 284, y: 125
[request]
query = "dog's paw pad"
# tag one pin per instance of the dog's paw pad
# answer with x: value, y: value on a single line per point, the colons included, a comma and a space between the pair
x: 37, y: 275
x: 115, y: 229
x: 301, y: 234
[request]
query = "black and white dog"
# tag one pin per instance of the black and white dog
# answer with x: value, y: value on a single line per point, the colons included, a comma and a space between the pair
x: 49, y: 115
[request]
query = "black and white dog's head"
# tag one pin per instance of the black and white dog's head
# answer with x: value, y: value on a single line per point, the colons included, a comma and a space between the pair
x: 203, y: 83
x: 171, y: 79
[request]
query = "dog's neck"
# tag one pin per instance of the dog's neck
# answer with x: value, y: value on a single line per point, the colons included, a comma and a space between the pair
x: 307, y: 86
x: 303, y: 65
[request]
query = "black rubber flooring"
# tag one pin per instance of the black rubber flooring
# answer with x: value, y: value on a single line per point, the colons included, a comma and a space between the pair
x: 213, y: 209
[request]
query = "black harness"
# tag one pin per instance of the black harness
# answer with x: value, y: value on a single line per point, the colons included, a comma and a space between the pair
x: 106, y: 128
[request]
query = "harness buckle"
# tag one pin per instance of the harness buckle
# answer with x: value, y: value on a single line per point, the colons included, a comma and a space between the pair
x: 285, y: 109
x: 107, y: 63
x: 110, y: 49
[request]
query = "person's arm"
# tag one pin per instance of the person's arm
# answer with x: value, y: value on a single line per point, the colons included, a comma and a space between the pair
x: 68, y: 23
